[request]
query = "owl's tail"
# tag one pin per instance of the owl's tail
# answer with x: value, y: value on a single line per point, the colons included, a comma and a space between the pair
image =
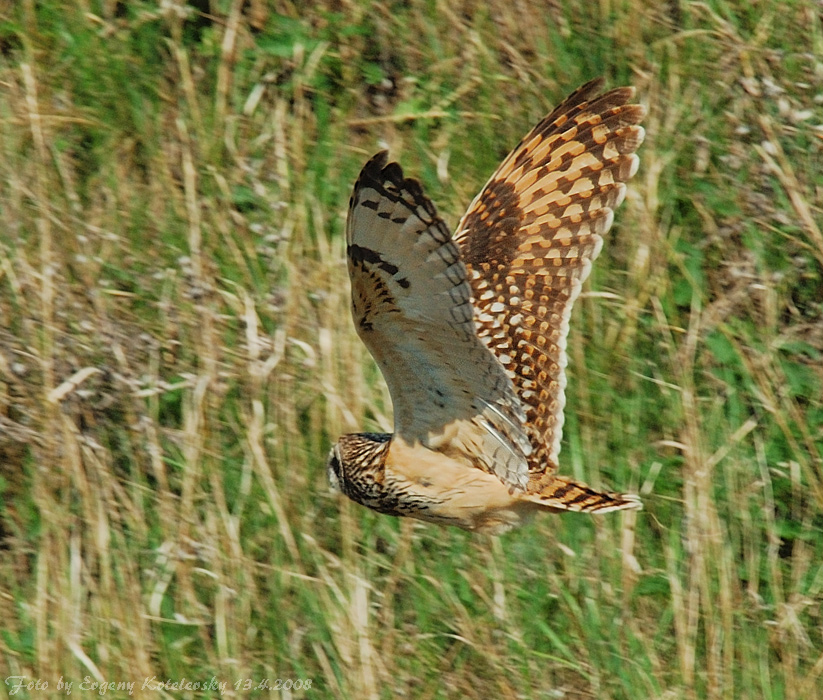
x: 559, y: 493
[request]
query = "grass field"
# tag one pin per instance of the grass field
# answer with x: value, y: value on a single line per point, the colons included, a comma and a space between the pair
x: 177, y: 356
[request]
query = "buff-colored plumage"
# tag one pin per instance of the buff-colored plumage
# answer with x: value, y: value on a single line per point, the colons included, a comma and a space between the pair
x: 470, y: 331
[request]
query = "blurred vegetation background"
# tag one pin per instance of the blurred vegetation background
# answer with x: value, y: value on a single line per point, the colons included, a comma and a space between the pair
x: 176, y: 351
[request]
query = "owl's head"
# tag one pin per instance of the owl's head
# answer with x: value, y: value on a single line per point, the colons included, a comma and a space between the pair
x: 355, y: 464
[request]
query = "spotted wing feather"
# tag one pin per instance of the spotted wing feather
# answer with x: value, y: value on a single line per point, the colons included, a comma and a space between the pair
x: 529, y: 239
x: 411, y: 304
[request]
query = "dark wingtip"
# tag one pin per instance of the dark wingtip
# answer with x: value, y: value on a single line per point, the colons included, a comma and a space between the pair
x: 374, y: 167
x: 378, y: 171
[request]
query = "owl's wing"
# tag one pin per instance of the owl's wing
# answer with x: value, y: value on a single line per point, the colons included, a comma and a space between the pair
x: 529, y: 239
x: 411, y: 305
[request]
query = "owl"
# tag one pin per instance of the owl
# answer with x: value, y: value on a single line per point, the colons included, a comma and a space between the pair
x: 469, y: 330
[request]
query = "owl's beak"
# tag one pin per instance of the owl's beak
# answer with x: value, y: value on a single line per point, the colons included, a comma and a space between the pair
x: 333, y: 467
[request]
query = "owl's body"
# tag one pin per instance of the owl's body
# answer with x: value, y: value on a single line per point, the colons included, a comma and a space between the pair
x: 470, y: 331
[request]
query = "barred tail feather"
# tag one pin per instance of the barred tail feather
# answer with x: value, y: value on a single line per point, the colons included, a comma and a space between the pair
x: 564, y: 494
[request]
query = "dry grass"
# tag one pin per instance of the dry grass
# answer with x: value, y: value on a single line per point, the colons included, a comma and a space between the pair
x: 176, y: 353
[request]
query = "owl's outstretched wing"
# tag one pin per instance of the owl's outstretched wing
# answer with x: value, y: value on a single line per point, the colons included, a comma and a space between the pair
x: 411, y: 304
x: 529, y: 239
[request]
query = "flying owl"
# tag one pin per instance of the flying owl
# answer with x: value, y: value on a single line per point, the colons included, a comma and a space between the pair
x: 470, y: 330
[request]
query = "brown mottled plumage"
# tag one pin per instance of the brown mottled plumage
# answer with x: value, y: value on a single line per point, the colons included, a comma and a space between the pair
x: 470, y: 332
